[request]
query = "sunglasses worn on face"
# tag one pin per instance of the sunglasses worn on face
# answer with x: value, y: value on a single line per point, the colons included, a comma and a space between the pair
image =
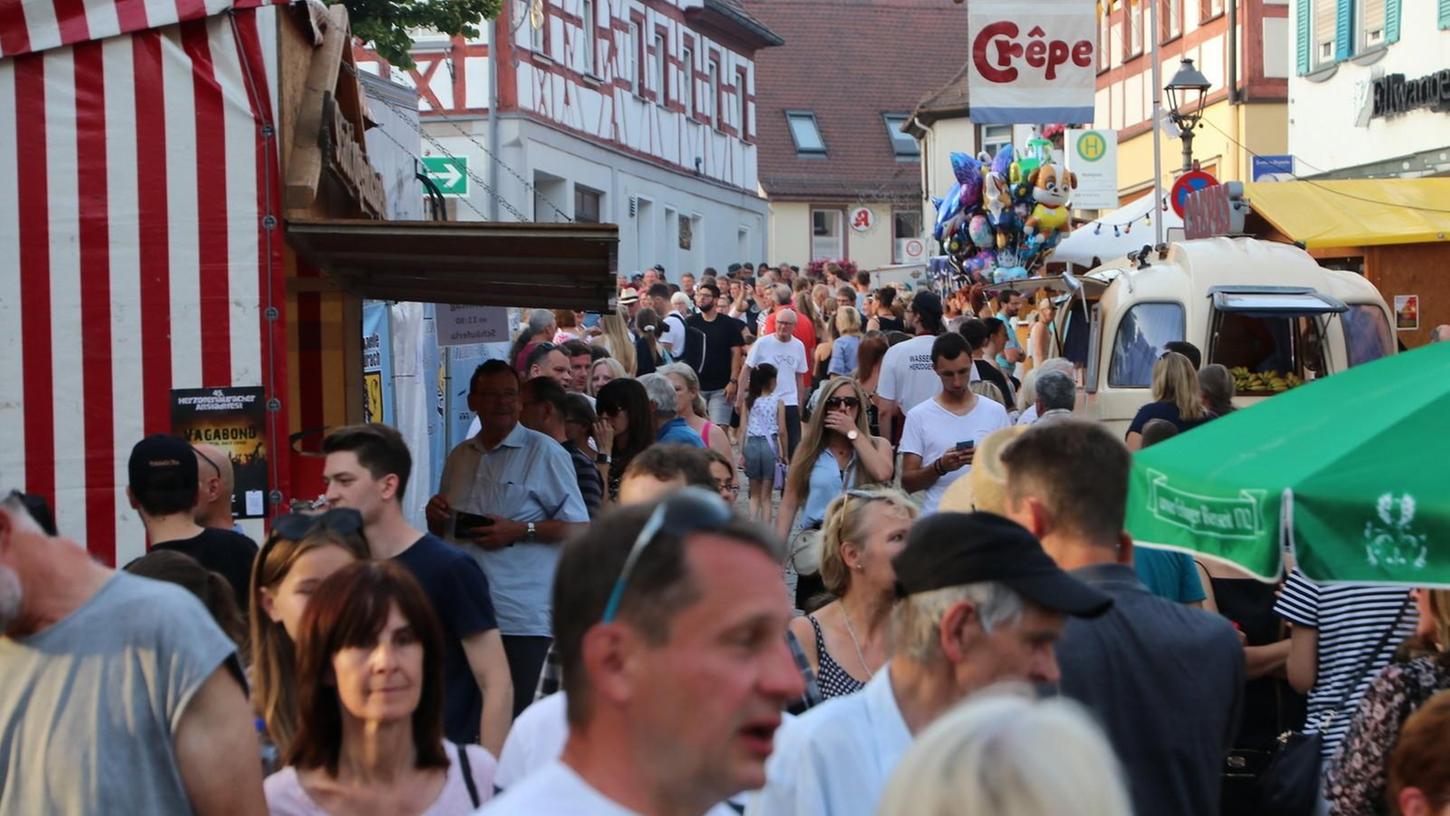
x: 687, y: 511
x: 842, y: 402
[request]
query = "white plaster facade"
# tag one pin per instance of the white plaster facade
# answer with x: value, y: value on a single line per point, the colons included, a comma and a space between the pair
x: 1332, y: 128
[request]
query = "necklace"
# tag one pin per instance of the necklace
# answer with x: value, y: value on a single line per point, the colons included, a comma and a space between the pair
x: 850, y: 630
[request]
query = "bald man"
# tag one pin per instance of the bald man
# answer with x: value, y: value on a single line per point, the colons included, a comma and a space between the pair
x: 216, y: 484
x: 1440, y: 334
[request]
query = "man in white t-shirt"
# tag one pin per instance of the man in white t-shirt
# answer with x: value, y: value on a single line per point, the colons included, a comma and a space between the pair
x: 941, y: 434
x: 907, y: 378
x: 674, y: 659
x: 788, y: 354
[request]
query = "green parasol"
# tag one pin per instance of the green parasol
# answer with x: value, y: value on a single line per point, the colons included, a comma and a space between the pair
x: 1351, y: 471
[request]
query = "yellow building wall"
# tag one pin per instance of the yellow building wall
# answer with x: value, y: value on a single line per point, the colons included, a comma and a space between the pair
x: 790, y: 234
x: 1263, y: 128
x: 789, y: 229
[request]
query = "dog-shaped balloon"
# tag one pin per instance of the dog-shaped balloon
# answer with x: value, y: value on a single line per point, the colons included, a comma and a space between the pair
x: 1052, y: 190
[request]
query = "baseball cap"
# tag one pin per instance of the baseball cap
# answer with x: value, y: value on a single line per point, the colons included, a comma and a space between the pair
x: 953, y: 549
x: 926, y: 303
x: 628, y: 297
x: 162, y: 462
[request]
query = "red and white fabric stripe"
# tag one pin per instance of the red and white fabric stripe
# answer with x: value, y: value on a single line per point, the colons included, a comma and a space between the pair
x: 136, y: 261
x: 31, y: 26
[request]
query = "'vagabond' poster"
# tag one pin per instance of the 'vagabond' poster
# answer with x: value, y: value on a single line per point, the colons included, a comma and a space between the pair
x: 232, y: 419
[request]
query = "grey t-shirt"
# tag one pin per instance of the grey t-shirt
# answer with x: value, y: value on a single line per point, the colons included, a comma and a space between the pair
x: 89, y: 706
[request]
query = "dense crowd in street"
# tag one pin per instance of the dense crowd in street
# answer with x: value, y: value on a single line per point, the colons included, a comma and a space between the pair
x: 768, y: 541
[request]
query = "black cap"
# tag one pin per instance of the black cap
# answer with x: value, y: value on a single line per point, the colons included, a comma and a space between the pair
x: 925, y: 302
x: 162, y: 462
x: 953, y: 549
x: 658, y: 267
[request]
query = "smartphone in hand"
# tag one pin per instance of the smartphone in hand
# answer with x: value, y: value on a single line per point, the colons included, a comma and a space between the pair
x: 465, y: 523
x: 967, y: 444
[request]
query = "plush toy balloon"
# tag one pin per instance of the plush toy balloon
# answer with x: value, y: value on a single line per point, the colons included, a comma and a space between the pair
x: 980, y: 232
x: 951, y: 204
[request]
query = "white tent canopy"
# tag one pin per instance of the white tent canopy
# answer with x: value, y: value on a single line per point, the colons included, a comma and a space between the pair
x: 1115, y: 233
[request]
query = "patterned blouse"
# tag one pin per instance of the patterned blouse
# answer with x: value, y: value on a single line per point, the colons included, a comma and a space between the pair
x: 1355, y: 778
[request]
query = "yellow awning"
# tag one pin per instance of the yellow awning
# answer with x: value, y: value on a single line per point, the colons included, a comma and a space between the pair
x: 1356, y: 212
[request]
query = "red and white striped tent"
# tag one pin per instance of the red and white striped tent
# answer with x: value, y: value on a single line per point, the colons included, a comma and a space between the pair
x: 140, y: 237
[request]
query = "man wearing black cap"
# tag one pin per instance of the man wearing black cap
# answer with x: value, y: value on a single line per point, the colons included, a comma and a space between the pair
x: 1164, y: 680
x: 907, y: 376
x: 981, y: 603
x: 163, y: 489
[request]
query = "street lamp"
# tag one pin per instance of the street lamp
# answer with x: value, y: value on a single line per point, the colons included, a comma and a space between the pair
x: 1186, y: 93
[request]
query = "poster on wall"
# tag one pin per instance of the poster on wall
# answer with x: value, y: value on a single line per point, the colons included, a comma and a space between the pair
x: 1407, y: 312
x: 1031, y: 63
x: 377, y: 362
x: 234, y: 420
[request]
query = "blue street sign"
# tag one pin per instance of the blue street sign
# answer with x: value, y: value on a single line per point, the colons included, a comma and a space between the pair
x: 1264, y: 165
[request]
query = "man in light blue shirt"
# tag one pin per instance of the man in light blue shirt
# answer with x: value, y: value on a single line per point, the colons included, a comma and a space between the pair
x: 509, y: 495
x: 673, y: 430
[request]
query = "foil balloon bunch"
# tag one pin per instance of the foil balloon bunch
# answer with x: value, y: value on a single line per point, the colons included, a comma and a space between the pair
x: 989, y: 221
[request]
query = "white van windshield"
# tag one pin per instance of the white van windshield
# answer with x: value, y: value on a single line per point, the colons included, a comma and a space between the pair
x: 1142, y: 334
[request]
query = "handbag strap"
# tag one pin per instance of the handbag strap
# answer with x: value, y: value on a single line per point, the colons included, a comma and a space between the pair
x: 466, y: 769
x: 1352, y: 680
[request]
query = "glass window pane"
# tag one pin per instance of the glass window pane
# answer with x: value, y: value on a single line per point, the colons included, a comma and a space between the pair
x: 1366, y: 333
x: 902, y: 144
x: 1142, y: 334
x: 803, y: 131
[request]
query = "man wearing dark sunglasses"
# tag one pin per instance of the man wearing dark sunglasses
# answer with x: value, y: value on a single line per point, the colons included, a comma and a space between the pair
x: 675, y: 663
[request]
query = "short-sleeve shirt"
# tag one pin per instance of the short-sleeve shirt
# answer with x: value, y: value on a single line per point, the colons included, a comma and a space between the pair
x: 1162, y: 410
x: 679, y: 432
x: 89, y: 706
x: 287, y: 797
x: 723, y: 335
x: 1170, y: 575
x: 673, y: 337
x: 591, y: 485
x: 225, y: 552
x: 843, y: 354
x: 458, y: 590
x: 527, y: 477
x: 1351, y: 620
x: 932, y: 430
x: 804, y: 331
x: 907, y: 374
x: 789, y: 359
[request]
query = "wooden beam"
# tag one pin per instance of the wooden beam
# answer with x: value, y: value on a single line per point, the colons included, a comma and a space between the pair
x: 305, y: 160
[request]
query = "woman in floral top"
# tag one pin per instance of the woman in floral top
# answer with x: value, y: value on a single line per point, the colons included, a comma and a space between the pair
x: 1355, y: 779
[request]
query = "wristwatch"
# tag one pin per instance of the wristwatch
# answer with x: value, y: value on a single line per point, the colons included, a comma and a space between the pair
x: 603, y: 459
x: 853, y: 434
x: 531, y: 534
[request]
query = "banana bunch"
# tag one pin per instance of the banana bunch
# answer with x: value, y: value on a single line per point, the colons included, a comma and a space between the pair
x: 1260, y: 381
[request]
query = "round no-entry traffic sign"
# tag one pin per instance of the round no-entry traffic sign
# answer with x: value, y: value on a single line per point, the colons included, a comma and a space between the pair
x: 1192, y: 181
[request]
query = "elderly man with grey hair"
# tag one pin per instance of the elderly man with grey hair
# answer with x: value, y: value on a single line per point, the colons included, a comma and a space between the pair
x: 1440, y: 333
x: 980, y: 603
x: 1056, y: 396
x: 671, y: 428
x: 1029, y: 386
x: 126, y: 683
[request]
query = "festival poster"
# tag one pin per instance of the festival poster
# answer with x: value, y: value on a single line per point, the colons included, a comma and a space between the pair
x: 234, y: 420
x: 1407, y: 312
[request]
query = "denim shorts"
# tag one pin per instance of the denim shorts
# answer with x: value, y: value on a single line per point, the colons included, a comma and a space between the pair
x: 760, y: 458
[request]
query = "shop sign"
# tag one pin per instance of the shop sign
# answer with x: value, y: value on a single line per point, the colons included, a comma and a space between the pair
x: 345, y: 153
x: 1272, y: 168
x: 1031, y: 63
x: 862, y: 219
x: 1395, y: 95
x: 461, y: 325
x: 1092, y: 155
x: 1215, y: 210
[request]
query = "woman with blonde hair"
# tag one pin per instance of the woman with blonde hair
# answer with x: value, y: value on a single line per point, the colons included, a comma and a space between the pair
x: 690, y: 407
x: 1041, y: 339
x: 846, y: 330
x: 1176, y: 398
x: 301, y: 551
x: 1356, y: 777
x: 616, y: 339
x: 836, y: 453
x: 1005, y: 754
x: 602, y: 372
x: 845, y: 641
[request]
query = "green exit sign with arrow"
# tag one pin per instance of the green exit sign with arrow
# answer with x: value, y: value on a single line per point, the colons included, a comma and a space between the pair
x: 450, y: 173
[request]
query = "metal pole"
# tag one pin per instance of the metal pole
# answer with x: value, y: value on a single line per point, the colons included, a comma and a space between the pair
x: 1157, y: 124
x: 1187, y: 135
x: 493, y: 118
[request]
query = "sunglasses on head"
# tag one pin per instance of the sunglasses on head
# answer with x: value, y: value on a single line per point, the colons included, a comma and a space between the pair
x: 686, y: 511
x: 297, y: 526
x: 842, y: 402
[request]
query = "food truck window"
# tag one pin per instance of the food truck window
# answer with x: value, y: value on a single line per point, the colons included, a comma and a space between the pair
x: 1366, y: 333
x: 1268, y: 353
x: 1142, y: 333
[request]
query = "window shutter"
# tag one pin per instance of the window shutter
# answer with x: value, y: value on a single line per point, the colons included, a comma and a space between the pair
x: 1301, y: 34
x: 1444, y: 14
x: 1392, y: 21
x: 1344, y: 30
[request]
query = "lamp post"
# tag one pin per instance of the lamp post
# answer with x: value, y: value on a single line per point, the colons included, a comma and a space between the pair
x: 1187, y: 91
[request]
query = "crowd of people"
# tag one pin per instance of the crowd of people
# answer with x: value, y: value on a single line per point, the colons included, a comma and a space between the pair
x: 924, y: 602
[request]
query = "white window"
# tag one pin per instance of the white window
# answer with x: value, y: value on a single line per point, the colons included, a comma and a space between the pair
x: 657, y: 71
x: 805, y: 133
x: 688, y: 57
x: 713, y: 108
x: 1324, y: 31
x: 1212, y: 8
x: 741, y: 103
x: 902, y: 144
x: 1105, y: 29
x: 586, y: 14
x: 586, y: 204
x: 826, y: 235
x: 629, y: 64
x: 1371, y: 16
x: 1174, y: 9
x: 538, y: 24
x: 1135, y: 28
x: 994, y: 137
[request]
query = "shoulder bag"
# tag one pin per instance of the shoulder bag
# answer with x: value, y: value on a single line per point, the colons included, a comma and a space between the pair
x: 1290, y: 784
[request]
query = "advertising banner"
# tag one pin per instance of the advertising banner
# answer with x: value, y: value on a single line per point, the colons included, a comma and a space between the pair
x: 377, y: 363
x: 1031, y: 63
x: 1092, y: 155
x: 234, y: 420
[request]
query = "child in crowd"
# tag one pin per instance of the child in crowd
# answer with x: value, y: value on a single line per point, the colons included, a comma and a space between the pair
x: 763, y: 446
